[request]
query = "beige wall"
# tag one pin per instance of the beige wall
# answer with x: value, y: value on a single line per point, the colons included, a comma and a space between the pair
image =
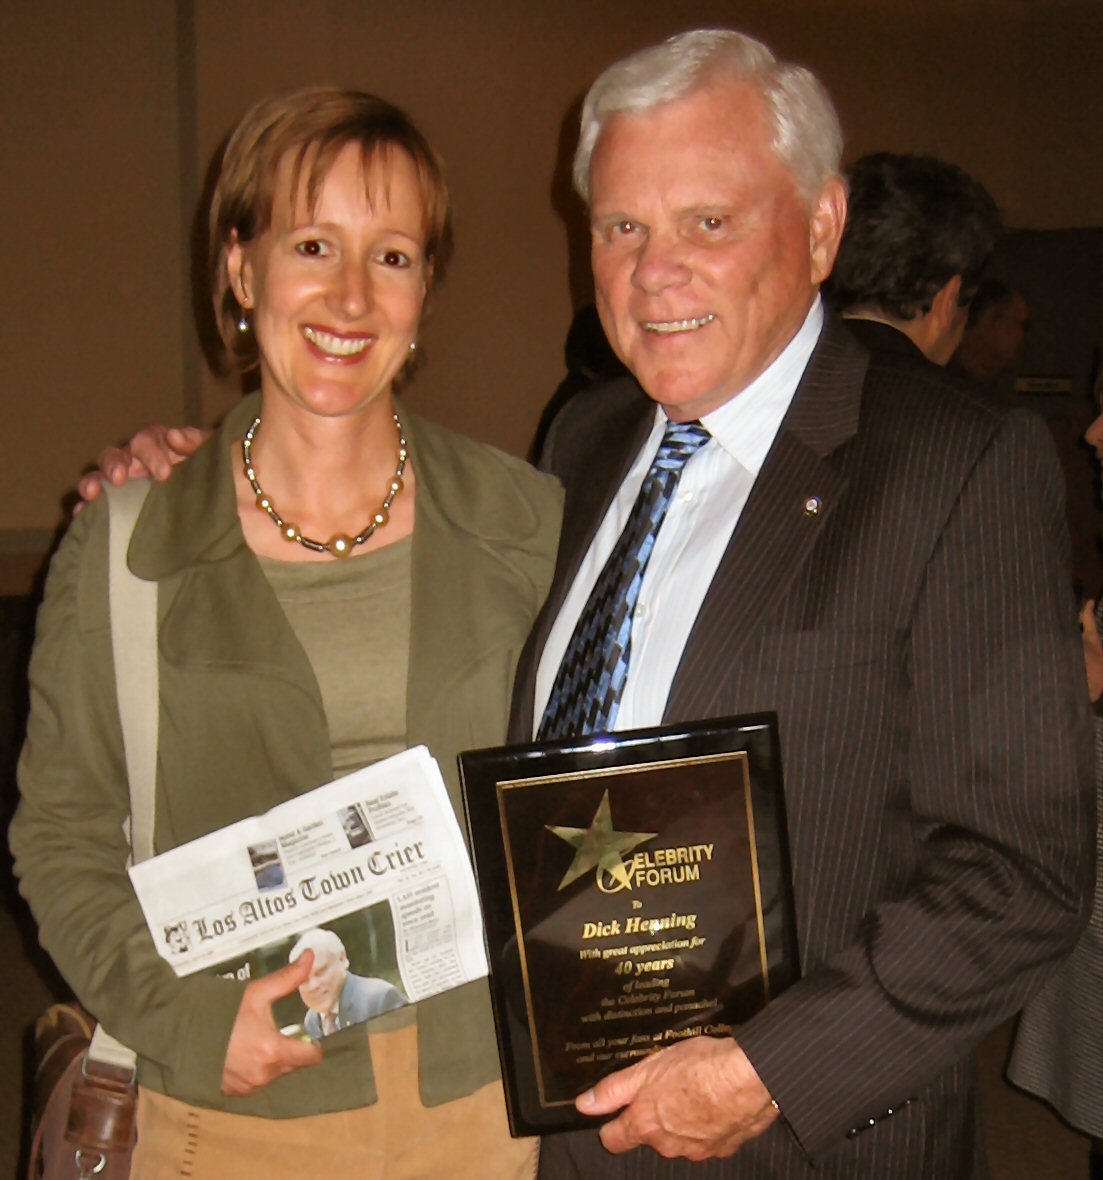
x: 112, y: 110
x: 91, y: 296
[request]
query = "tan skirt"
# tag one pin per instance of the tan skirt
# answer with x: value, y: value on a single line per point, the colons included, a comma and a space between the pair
x: 395, y: 1139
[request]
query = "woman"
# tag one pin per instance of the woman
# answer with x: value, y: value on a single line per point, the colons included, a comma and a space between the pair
x: 336, y: 580
x: 1058, y: 1050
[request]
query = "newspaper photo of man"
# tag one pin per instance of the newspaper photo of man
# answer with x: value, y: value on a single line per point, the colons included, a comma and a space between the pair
x: 333, y: 995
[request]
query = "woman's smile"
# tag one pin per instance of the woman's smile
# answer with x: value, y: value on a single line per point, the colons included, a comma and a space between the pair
x: 337, y: 346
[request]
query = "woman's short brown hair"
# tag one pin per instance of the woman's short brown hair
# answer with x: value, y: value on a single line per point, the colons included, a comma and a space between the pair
x: 312, y: 126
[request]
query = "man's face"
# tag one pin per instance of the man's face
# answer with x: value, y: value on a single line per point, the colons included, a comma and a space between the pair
x: 959, y: 317
x: 322, y: 987
x: 1007, y: 326
x: 706, y: 260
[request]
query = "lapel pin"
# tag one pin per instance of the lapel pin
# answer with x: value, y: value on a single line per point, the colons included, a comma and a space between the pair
x: 812, y: 506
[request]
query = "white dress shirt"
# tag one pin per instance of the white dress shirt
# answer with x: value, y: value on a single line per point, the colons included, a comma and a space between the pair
x: 699, y: 523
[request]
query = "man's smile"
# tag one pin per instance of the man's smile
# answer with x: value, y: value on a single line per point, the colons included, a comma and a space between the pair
x: 669, y: 327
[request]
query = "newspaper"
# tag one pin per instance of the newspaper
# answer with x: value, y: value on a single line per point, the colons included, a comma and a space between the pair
x: 374, y: 859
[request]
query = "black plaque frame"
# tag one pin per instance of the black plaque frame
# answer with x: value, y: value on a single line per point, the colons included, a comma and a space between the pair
x: 620, y: 811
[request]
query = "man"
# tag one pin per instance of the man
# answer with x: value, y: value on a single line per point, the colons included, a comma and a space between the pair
x: 995, y: 334
x: 334, y: 997
x: 871, y: 554
x: 918, y: 235
x: 868, y: 552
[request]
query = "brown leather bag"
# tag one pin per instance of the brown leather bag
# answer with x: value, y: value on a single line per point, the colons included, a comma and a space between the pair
x: 83, y: 1121
x: 83, y: 1117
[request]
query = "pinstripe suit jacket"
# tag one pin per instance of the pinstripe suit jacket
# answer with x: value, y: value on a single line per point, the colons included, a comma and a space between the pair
x: 917, y: 638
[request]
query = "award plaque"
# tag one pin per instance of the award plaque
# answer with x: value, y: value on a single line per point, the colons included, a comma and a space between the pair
x: 636, y: 892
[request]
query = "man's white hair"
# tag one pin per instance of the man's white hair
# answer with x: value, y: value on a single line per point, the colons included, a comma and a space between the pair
x: 318, y: 940
x: 807, y: 137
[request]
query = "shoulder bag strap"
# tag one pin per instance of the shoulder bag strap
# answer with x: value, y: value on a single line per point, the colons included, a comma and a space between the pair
x: 133, y: 604
x: 134, y: 647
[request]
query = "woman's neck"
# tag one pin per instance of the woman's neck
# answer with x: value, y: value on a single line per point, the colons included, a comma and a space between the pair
x: 326, y: 476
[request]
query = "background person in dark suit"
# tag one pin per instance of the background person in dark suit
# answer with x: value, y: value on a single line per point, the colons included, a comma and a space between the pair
x: 1058, y: 1048
x: 875, y: 555
x: 919, y: 233
x: 995, y: 333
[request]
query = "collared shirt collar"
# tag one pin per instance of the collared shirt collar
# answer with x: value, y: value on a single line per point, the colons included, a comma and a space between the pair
x: 746, y: 424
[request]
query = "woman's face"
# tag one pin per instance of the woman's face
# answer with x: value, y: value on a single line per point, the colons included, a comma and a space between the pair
x: 336, y: 292
x: 1093, y: 436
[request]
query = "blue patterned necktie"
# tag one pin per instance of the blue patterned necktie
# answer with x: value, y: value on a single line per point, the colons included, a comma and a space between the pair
x: 586, y: 694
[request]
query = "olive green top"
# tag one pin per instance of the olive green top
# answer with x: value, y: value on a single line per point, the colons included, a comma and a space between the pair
x: 243, y: 728
x: 352, y: 618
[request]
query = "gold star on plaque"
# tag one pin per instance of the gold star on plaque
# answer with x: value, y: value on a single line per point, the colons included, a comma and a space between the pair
x: 599, y: 846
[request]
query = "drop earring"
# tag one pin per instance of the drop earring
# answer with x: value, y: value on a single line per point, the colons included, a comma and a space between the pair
x: 243, y: 303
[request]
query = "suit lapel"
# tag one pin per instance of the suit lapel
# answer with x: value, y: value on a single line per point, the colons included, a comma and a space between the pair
x: 446, y: 565
x: 591, y: 480
x: 469, y: 612
x: 591, y: 491
x: 442, y: 648
x: 795, y: 494
x: 217, y: 608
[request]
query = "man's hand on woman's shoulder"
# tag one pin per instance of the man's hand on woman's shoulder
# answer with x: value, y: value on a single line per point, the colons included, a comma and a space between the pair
x: 153, y: 451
